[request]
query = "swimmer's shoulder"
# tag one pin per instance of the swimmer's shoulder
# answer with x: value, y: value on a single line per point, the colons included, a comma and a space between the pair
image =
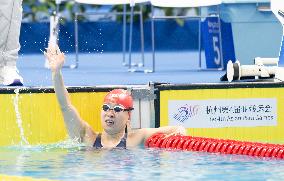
x: 90, y: 137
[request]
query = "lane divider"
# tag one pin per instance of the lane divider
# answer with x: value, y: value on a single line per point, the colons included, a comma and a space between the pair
x: 190, y: 143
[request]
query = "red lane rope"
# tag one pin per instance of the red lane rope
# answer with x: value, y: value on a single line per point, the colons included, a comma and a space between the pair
x: 190, y: 143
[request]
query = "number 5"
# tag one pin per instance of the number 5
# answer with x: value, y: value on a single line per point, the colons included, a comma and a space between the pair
x: 217, y: 50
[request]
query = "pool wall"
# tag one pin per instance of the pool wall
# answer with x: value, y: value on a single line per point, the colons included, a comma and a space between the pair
x: 37, y: 112
x: 32, y: 116
x: 253, y: 111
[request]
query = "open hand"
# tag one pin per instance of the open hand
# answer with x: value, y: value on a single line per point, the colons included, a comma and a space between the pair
x: 178, y: 130
x: 55, y: 58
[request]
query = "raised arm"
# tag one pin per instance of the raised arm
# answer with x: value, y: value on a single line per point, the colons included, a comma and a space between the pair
x: 77, y: 128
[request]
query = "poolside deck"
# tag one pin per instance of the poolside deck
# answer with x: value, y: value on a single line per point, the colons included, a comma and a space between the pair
x: 107, y: 69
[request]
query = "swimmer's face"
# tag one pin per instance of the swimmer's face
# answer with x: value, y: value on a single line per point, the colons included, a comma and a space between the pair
x: 114, y: 117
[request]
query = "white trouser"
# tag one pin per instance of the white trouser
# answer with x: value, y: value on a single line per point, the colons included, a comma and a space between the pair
x: 10, y: 25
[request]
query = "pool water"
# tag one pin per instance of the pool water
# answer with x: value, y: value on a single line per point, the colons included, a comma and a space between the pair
x: 76, y: 162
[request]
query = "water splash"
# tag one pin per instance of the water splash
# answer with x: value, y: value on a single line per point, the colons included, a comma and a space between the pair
x: 69, y: 144
x: 19, y: 119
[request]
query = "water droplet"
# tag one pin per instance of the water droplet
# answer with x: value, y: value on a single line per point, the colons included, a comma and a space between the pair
x: 18, y: 117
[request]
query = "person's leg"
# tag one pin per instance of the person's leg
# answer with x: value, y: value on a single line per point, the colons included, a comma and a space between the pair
x: 10, y: 25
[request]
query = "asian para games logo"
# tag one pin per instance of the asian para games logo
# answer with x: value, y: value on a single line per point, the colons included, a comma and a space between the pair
x: 185, y: 112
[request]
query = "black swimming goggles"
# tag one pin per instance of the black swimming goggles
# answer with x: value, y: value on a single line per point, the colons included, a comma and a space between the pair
x: 116, y: 108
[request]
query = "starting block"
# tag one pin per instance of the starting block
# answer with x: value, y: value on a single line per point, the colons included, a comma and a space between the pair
x: 263, y: 68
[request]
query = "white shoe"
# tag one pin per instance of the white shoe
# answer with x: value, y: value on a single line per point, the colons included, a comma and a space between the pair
x: 1, y: 78
x: 10, y: 76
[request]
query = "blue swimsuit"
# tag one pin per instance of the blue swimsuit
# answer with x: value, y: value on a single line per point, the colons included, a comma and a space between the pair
x: 121, y: 144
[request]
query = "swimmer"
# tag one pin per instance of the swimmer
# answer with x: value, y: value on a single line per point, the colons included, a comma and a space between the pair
x: 115, y: 114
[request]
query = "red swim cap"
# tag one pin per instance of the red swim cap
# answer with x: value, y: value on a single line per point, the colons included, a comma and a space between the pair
x: 119, y: 96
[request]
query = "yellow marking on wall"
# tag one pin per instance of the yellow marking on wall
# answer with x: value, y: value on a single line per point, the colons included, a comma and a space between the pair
x: 20, y: 178
x: 41, y: 116
x: 261, y: 133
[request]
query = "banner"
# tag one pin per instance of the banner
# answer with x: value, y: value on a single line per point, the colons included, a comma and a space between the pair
x: 217, y: 113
